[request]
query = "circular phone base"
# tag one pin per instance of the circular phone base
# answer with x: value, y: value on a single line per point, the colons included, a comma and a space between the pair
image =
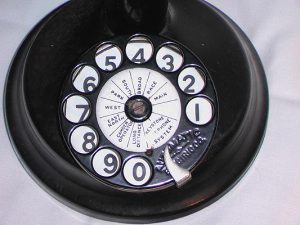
x: 31, y: 103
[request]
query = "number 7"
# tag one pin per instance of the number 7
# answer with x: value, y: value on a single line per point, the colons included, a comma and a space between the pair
x: 85, y: 111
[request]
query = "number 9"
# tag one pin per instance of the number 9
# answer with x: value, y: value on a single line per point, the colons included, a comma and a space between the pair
x: 106, y: 162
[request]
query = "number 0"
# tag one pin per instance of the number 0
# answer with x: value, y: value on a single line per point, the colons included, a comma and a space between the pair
x: 135, y: 175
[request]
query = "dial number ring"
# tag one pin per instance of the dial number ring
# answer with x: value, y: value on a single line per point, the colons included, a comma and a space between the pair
x: 154, y: 80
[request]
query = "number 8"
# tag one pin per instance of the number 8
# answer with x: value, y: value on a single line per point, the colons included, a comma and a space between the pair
x: 89, y: 138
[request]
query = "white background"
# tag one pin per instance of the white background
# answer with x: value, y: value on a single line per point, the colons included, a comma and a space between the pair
x: 270, y: 191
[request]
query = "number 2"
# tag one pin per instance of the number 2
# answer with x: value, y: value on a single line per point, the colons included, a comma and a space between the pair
x: 192, y: 82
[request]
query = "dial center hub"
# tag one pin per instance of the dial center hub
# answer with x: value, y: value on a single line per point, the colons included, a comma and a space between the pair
x: 135, y: 109
x: 138, y: 108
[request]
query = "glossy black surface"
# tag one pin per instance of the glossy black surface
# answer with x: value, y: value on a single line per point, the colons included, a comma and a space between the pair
x: 57, y: 42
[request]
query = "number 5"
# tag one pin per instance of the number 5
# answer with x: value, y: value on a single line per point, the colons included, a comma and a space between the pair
x: 109, y: 62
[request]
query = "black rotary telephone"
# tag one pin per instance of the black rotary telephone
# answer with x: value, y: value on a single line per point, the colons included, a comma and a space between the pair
x: 136, y: 111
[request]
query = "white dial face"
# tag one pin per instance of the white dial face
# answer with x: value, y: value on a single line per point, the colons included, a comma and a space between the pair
x: 159, y: 99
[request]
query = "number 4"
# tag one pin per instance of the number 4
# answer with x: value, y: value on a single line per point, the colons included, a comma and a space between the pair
x: 139, y: 56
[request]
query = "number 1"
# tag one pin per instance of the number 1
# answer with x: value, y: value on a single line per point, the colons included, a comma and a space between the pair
x: 197, y: 112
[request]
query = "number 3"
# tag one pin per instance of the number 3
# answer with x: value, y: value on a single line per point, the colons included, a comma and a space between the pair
x: 170, y: 63
x: 169, y: 58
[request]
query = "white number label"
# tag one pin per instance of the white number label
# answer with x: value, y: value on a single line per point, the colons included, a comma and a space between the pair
x: 199, y: 110
x: 84, y: 139
x: 137, y: 171
x: 106, y: 162
x: 139, y: 50
x: 108, y: 57
x: 191, y: 80
x: 85, y: 79
x: 169, y: 58
x: 76, y: 109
